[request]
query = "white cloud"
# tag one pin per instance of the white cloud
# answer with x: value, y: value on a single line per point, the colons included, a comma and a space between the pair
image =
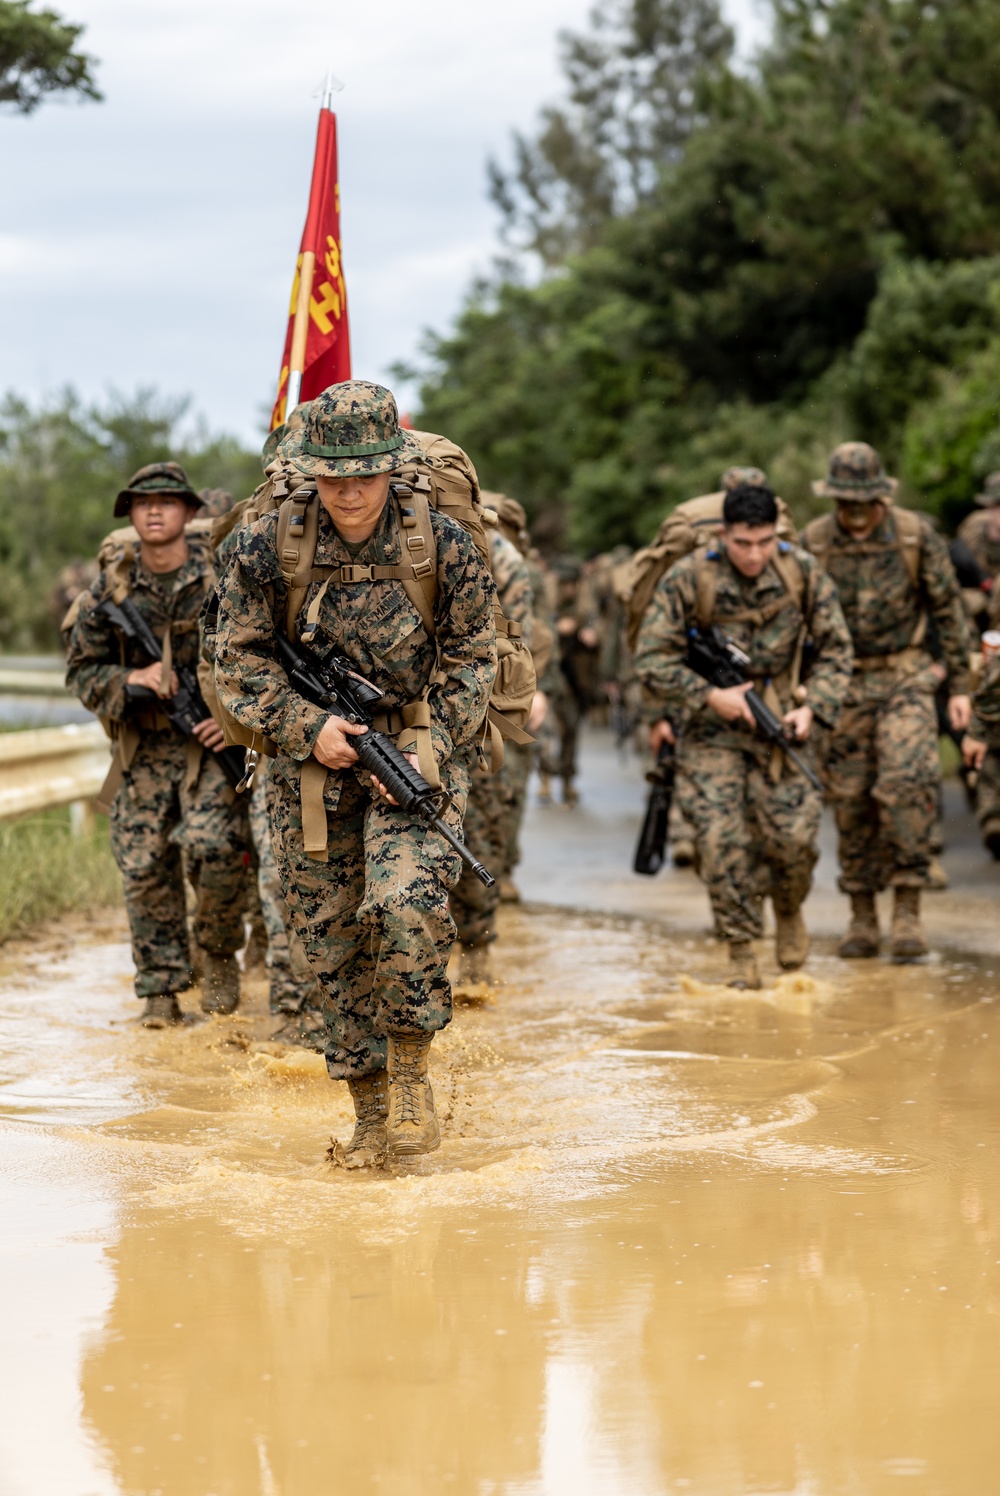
x: 156, y: 233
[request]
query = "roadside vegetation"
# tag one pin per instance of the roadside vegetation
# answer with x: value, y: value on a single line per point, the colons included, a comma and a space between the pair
x: 705, y: 263
x: 61, y: 463
x: 46, y: 871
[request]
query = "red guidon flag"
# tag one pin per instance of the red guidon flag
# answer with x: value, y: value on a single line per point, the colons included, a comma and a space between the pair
x: 317, y: 345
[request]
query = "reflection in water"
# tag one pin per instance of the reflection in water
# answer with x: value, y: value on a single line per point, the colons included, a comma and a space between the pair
x: 677, y: 1238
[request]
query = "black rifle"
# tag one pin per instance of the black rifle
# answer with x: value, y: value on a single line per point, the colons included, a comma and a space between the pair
x: 722, y: 663
x: 650, y: 852
x: 185, y: 710
x: 333, y: 683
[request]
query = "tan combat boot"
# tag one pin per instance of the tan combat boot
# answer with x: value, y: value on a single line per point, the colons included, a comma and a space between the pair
x: 220, y: 985
x: 161, y: 1011
x: 412, y: 1126
x: 791, y: 938
x: 909, y: 942
x: 744, y: 966
x: 937, y: 878
x: 367, y: 1148
x: 862, y: 938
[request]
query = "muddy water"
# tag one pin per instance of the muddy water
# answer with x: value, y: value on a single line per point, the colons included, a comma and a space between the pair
x: 676, y: 1239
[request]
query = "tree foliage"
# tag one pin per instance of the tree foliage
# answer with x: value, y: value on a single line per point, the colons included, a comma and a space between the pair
x: 633, y: 86
x: 816, y: 253
x: 61, y: 465
x: 38, y: 57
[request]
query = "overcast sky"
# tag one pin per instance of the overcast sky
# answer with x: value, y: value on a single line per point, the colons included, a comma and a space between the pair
x: 151, y: 239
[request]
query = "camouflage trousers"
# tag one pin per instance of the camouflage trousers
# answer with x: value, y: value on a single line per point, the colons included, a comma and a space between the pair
x: 512, y: 785
x: 882, y: 774
x: 473, y: 907
x: 156, y: 816
x: 988, y: 792
x: 293, y: 988
x: 745, y: 824
x: 559, y: 743
x: 373, y: 918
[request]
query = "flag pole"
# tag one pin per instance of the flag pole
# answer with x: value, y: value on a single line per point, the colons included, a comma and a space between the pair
x: 307, y: 272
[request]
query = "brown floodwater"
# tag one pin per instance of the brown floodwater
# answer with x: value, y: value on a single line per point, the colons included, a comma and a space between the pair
x: 676, y: 1239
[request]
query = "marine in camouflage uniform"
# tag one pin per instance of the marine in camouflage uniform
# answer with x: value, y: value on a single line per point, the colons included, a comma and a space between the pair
x: 748, y: 806
x: 518, y: 757
x: 293, y: 991
x: 174, y: 798
x: 577, y: 682
x: 881, y: 765
x: 981, y: 753
x: 367, y: 887
x: 980, y: 530
x: 474, y: 907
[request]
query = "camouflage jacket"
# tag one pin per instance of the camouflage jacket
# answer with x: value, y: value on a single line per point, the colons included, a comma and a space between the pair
x: 374, y: 623
x: 985, y: 724
x: 974, y: 530
x: 98, y: 660
x: 513, y: 584
x: 671, y: 689
x: 881, y: 606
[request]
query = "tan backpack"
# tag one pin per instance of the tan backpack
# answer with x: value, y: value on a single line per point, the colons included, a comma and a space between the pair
x: 692, y: 524
x: 443, y: 478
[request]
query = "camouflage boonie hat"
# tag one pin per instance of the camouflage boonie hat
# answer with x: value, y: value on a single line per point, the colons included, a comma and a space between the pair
x: 855, y: 473
x: 350, y: 430
x: 292, y: 424
x: 738, y: 477
x: 990, y: 495
x: 513, y: 520
x: 157, y: 477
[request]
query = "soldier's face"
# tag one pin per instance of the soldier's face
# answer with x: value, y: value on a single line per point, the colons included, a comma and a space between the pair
x: 860, y: 519
x: 354, y: 504
x: 750, y: 547
x: 159, y: 517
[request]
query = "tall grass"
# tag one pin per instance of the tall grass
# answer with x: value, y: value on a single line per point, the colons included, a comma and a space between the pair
x: 46, y: 871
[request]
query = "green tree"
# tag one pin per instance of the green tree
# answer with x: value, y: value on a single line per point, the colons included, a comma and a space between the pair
x: 633, y: 83
x: 38, y: 57
x: 61, y: 465
x: 820, y: 247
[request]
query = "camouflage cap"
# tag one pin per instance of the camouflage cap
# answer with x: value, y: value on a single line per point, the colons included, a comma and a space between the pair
x: 157, y: 477
x: 350, y: 430
x: 990, y: 495
x: 855, y: 472
x: 215, y: 502
x: 737, y: 477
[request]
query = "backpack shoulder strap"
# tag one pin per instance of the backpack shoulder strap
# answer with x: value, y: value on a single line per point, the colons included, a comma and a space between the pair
x: 909, y: 538
x: 420, y: 547
x: 793, y: 579
x: 295, y: 542
x: 817, y: 538
x: 706, y: 580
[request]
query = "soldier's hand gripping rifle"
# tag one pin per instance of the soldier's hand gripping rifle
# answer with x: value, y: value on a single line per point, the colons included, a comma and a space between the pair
x: 333, y: 683
x: 650, y: 852
x: 186, y: 710
x: 722, y: 663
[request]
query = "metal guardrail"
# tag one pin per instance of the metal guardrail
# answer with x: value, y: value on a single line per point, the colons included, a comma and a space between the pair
x: 50, y: 766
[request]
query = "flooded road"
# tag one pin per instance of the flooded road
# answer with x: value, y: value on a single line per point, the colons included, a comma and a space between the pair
x: 676, y: 1239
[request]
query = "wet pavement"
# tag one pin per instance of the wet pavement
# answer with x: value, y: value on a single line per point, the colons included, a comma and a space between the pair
x: 676, y: 1239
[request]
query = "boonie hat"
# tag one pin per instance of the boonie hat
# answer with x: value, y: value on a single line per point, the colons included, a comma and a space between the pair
x: 990, y: 495
x: 513, y: 520
x: 157, y: 477
x: 855, y: 472
x: 350, y: 430
x: 740, y: 477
